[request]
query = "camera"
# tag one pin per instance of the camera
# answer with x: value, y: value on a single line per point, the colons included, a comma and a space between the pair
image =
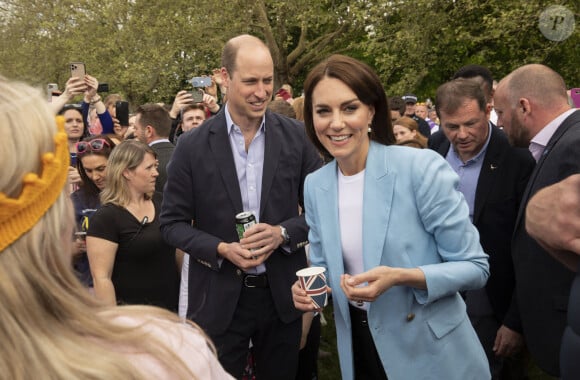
x: 197, y: 95
x: 201, y: 81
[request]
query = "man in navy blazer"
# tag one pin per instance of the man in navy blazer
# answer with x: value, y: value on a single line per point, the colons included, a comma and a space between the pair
x: 533, y: 109
x: 493, y: 176
x: 243, y: 159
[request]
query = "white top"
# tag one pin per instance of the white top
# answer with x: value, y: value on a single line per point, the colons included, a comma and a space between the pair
x: 184, y: 340
x: 350, y: 216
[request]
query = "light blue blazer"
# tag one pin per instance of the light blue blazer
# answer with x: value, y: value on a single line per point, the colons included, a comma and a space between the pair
x: 413, y: 216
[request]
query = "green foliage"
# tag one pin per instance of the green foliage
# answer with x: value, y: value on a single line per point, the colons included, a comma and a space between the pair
x: 147, y: 50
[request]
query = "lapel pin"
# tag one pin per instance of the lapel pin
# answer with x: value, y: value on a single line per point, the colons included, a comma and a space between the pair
x: 493, y: 167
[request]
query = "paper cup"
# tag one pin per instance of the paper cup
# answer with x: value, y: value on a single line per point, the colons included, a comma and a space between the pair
x: 313, y: 281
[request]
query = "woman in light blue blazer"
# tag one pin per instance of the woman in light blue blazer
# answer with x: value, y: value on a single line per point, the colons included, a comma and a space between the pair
x: 394, y: 235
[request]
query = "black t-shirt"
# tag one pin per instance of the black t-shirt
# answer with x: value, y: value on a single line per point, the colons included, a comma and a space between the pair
x: 144, y: 270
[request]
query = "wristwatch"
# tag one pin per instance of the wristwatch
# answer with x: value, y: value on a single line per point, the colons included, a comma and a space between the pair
x: 284, y: 234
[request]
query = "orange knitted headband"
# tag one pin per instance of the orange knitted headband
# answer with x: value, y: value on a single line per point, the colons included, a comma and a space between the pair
x: 19, y: 215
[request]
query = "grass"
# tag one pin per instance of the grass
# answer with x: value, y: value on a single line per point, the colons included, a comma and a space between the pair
x: 328, y: 367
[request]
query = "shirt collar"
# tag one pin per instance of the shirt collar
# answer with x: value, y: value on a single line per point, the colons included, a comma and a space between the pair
x: 543, y: 137
x: 158, y: 141
x: 230, y: 123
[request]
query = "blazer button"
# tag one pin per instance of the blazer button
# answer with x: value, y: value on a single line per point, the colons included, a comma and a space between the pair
x: 238, y: 272
x: 410, y: 317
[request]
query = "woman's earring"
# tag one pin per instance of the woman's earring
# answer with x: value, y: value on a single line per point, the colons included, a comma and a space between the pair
x: 370, y: 129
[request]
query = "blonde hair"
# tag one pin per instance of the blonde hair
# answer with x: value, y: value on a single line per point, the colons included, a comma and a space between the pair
x: 52, y: 328
x: 126, y: 156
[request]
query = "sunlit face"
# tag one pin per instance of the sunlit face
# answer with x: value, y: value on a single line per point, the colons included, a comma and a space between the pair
x: 192, y: 119
x: 421, y: 111
x: 250, y: 86
x: 508, y: 119
x: 142, y: 178
x: 95, y: 167
x: 410, y: 109
x: 403, y: 133
x: 341, y: 122
x: 467, y: 128
x: 73, y: 124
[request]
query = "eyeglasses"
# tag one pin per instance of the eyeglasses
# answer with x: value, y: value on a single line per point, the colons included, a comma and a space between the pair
x: 95, y: 145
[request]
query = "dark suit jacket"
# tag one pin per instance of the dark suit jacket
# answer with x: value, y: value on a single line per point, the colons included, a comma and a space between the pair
x: 542, y: 282
x: 164, y: 152
x: 504, y: 174
x: 203, y: 186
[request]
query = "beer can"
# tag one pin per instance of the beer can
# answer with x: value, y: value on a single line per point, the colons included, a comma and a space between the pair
x: 244, y: 220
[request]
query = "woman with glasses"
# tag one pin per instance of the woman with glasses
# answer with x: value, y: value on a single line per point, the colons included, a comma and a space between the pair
x: 130, y: 262
x: 92, y: 156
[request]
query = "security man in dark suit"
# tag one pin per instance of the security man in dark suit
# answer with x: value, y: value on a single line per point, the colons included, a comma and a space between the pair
x: 493, y: 176
x: 152, y: 127
x: 532, y: 107
x: 244, y: 159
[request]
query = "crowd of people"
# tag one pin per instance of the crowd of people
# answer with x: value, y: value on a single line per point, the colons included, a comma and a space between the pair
x: 449, y: 230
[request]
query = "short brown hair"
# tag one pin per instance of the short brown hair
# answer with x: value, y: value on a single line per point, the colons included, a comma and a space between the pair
x: 157, y: 117
x: 451, y: 95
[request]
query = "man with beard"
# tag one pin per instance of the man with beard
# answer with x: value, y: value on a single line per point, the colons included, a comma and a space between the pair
x: 533, y: 109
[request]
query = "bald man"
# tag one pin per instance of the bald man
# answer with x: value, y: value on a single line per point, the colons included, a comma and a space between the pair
x: 533, y: 110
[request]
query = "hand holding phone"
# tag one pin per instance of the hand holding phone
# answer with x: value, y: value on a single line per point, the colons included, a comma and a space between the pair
x: 201, y: 81
x: 122, y: 112
x: 77, y: 70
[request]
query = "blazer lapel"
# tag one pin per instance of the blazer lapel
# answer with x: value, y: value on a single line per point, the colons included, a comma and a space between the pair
x: 488, y: 174
x: 271, y: 156
x: 378, y: 193
x: 566, y: 124
x: 219, y: 144
x: 326, y: 197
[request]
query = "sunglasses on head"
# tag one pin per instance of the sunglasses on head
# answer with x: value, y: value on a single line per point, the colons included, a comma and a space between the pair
x: 95, y: 145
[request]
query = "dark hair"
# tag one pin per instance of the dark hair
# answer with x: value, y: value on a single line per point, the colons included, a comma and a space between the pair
x: 88, y: 189
x: 451, y: 95
x: 364, y: 82
x: 79, y: 108
x: 396, y: 103
x: 282, y: 107
x: 157, y: 117
x: 475, y: 72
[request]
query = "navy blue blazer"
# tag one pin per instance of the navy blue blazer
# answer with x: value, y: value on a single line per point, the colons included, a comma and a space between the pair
x: 500, y: 187
x: 542, y: 282
x: 202, y: 185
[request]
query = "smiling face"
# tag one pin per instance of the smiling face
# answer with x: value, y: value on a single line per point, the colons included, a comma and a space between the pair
x: 341, y: 123
x: 250, y: 85
x: 142, y: 178
x: 95, y: 167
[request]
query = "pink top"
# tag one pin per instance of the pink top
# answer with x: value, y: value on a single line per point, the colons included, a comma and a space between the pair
x: 185, y: 341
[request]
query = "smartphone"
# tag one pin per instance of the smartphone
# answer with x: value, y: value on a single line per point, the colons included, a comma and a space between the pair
x: 51, y: 88
x: 201, y: 81
x: 575, y: 95
x: 197, y: 95
x: 122, y: 112
x: 73, y: 160
x: 77, y: 69
x: 103, y: 87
